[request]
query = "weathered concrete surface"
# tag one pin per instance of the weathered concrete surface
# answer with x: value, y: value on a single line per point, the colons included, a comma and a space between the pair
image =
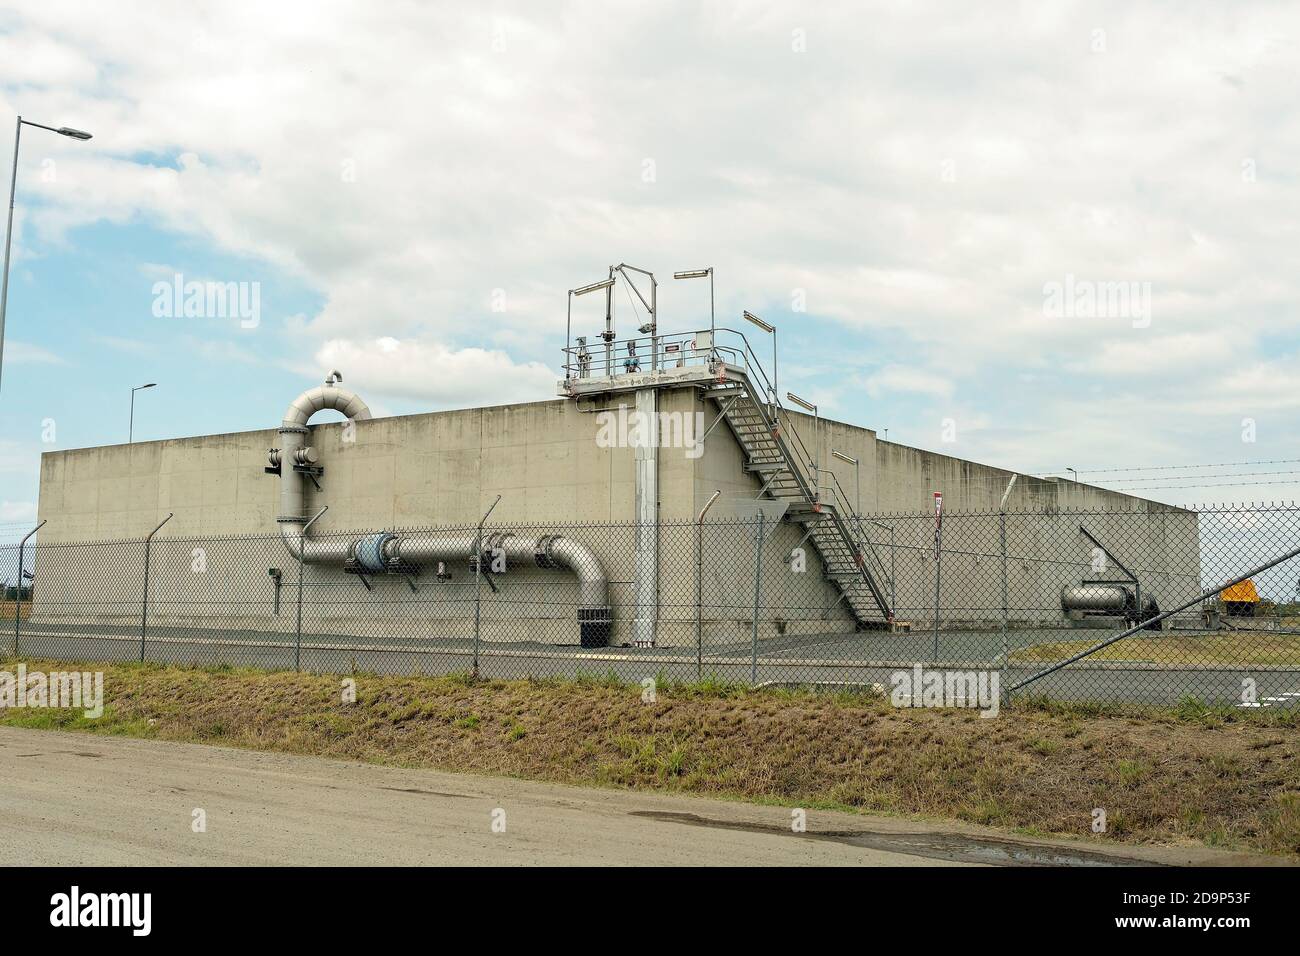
x: 78, y: 799
x: 546, y: 462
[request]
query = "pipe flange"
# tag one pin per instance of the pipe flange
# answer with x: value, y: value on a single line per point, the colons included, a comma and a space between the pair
x: 293, y: 430
x: 542, y: 552
x: 289, y: 519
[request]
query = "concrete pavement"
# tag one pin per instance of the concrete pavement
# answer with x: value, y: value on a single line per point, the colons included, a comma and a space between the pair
x: 79, y: 799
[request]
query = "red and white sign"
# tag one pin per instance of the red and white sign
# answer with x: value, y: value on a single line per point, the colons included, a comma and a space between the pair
x: 938, y: 521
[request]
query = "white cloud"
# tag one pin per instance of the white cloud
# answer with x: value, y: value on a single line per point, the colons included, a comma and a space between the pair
x: 900, y: 378
x: 24, y: 353
x: 438, y: 375
x: 918, y: 173
x: 17, y: 511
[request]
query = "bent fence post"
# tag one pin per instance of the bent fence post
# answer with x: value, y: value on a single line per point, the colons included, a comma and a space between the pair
x: 18, y: 588
x: 302, y: 557
x: 144, y: 604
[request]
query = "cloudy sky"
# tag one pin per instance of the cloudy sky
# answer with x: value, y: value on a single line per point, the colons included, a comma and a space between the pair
x: 924, y: 199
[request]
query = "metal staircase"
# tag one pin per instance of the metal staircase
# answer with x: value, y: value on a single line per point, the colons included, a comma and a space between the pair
x: 733, y: 377
x: 777, y: 455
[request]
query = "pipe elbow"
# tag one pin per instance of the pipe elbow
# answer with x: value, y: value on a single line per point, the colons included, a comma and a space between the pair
x: 593, y: 582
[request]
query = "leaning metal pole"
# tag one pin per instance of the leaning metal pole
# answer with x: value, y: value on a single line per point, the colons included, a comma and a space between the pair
x: 1203, y: 596
x: 18, y: 589
x: 144, y: 608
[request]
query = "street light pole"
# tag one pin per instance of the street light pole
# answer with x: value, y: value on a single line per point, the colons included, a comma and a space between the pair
x: 810, y: 407
x: 130, y: 434
x: 857, y: 476
x: 700, y: 274
x: 766, y: 327
x: 9, y: 228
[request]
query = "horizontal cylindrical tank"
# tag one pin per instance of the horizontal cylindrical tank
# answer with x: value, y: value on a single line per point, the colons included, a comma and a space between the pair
x: 1096, y: 597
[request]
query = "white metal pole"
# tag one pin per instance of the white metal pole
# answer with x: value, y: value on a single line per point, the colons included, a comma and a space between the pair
x: 9, y: 235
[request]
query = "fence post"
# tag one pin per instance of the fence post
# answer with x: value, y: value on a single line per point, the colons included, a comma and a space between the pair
x: 699, y: 587
x: 478, y: 578
x: 144, y: 604
x: 1002, y: 539
x: 302, y: 560
x: 1004, y: 657
x: 938, y: 572
x: 758, y: 583
x: 18, y: 590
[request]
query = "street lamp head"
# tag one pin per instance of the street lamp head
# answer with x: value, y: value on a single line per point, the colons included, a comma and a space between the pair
x: 603, y: 284
x: 693, y: 273
x: 806, y: 405
x: 765, y: 326
x: 74, y: 133
x: 843, y: 457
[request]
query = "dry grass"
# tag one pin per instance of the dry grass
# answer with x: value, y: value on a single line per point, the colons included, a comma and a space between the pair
x: 1256, y: 648
x: 1222, y: 777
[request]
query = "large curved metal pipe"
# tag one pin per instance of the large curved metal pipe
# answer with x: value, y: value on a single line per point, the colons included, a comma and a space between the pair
x: 293, y: 439
x: 546, y: 551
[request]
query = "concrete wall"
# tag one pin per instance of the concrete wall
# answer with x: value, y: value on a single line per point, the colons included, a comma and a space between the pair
x: 543, y: 458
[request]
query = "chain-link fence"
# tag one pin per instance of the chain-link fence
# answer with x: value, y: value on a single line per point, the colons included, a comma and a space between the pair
x: 1128, y: 606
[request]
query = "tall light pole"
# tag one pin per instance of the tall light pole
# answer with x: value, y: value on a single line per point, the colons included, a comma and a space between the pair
x: 808, y: 406
x: 766, y: 327
x: 857, y: 476
x: 130, y: 435
x: 9, y: 229
x: 700, y: 274
x: 568, y: 333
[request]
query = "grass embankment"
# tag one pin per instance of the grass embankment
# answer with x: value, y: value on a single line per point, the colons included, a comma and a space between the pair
x: 1236, y: 649
x: 1226, y: 778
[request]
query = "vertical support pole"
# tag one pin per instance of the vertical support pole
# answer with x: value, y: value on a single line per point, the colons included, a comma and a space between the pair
x: 699, y: 599
x: 144, y: 608
x: 302, y: 560
x: 9, y: 236
x: 699, y: 587
x: 478, y: 583
x: 758, y: 584
x: 18, y: 589
x: 938, y: 572
x: 713, y: 322
x: 646, y: 454
x: 893, y: 571
x: 568, y: 336
x: 1002, y: 535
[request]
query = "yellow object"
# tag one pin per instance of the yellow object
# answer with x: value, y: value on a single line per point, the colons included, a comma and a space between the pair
x: 1243, y: 593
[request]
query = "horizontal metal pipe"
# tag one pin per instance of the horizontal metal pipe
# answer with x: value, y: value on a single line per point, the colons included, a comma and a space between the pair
x: 545, y: 551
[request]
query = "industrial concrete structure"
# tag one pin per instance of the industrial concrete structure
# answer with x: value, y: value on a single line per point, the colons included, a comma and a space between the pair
x: 641, y: 443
